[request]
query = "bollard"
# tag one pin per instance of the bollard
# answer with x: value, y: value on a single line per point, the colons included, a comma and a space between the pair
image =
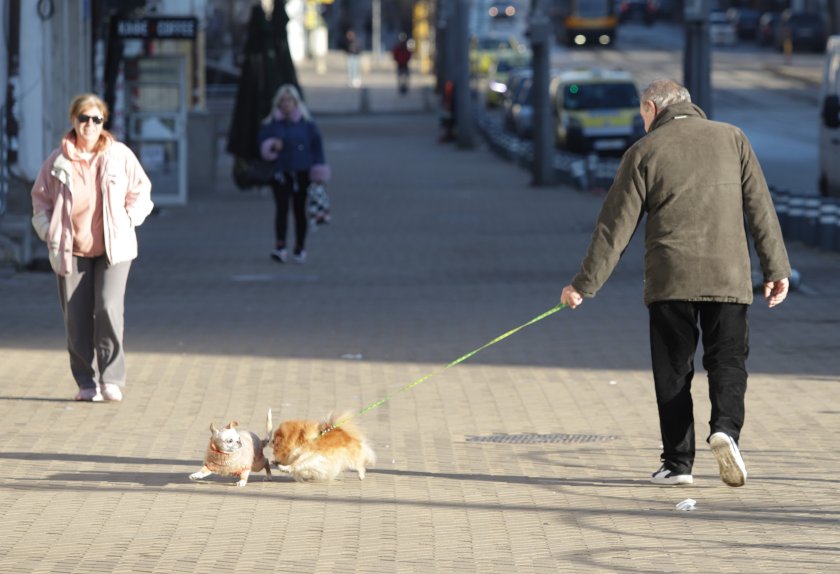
x: 827, y: 224
x: 796, y: 209
x: 428, y: 99
x: 810, y: 221
x: 780, y: 200
x: 578, y: 170
x: 364, y: 100
x: 837, y: 231
x: 592, y: 163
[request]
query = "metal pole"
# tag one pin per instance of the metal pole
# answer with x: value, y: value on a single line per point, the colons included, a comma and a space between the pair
x: 697, y: 75
x: 539, y: 31
x: 376, y: 29
x: 445, y: 50
x: 463, y: 96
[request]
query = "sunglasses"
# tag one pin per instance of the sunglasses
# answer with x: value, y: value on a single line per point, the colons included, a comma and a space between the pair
x: 83, y: 119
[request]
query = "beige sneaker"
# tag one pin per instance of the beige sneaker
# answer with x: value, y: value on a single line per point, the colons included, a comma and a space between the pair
x: 732, y: 469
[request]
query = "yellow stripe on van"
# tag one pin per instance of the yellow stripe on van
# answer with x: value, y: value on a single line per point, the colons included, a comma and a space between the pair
x: 578, y: 23
x: 606, y: 118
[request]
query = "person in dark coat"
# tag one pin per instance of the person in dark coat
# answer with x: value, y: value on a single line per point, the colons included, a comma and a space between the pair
x: 704, y: 194
x: 267, y: 64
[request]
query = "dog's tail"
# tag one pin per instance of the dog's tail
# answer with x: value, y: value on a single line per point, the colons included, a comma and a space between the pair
x: 268, y: 427
x: 342, y: 420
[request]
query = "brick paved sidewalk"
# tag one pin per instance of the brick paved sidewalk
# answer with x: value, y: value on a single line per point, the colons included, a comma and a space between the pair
x: 529, y: 457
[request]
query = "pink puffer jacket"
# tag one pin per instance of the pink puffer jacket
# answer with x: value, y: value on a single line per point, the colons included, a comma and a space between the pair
x: 126, y: 191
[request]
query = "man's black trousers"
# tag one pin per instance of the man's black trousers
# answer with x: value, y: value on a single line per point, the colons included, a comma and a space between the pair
x: 676, y: 327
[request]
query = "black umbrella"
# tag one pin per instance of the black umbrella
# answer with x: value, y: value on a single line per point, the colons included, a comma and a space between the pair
x: 267, y: 64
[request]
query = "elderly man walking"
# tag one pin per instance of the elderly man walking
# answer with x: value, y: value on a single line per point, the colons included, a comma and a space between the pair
x: 704, y: 194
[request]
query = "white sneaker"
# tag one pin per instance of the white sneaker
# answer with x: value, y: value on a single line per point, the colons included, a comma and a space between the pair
x: 300, y: 257
x: 280, y: 255
x: 88, y: 395
x: 732, y: 469
x: 667, y: 477
x: 111, y: 392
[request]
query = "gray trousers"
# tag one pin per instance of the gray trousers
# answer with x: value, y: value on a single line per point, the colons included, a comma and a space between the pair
x: 92, y: 300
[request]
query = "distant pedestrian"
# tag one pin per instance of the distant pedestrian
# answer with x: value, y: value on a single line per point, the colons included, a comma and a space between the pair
x: 290, y: 139
x: 401, y: 53
x: 704, y: 195
x: 89, y: 196
x: 353, y: 49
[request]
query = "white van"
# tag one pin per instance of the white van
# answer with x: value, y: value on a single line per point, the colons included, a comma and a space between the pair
x: 829, y: 181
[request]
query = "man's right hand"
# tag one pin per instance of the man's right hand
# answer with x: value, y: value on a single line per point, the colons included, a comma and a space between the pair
x: 570, y: 297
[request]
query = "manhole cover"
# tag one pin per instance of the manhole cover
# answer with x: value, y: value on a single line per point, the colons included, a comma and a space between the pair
x: 532, y: 438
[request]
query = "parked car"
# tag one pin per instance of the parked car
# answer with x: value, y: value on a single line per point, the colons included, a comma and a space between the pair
x: 483, y: 51
x: 668, y: 9
x: 517, y: 80
x: 806, y: 31
x: 637, y: 10
x: 596, y: 110
x: 498, y: 77
x: 721, y: 30
x: 768, y: 24
x: 745, y: 21
x: 521, y: 115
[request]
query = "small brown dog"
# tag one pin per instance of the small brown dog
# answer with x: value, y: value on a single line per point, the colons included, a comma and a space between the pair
x: 319, y: 452
x: 235, y: 453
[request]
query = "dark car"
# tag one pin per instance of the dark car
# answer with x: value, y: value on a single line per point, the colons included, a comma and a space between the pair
x: 745, y: 21
x: 518, y: 79
x: 768, y: 22
x: 805, y: 31
x: 637, y: 10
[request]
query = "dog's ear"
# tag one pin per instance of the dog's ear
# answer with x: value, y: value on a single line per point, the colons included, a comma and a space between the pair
x: 213, y: 429
x: 232, y: 424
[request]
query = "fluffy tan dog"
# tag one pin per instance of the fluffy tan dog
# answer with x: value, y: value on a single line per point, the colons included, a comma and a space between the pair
x: 235, y: 453
x: 305, y: 451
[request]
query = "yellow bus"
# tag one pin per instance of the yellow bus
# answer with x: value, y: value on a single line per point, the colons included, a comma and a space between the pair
x: 590, y: 22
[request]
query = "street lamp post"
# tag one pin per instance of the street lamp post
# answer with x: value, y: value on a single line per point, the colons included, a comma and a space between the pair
x: 697, y: 55
x: 460, y: 37
x: 376, y: 29
x: 539, y: 31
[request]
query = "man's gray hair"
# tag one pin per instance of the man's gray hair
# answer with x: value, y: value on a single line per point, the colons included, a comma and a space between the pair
x: 663, y: 93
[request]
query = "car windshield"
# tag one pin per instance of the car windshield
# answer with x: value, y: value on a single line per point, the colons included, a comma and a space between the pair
x: 492, y: 44
x: 804, y: 20
x: 600, y: 96
x: 594, y: 8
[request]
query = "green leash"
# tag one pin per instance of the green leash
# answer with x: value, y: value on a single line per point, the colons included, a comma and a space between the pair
x: 413, y: 384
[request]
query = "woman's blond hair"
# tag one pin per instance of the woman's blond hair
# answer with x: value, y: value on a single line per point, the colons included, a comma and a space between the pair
x: 86, y: 100
x: 294, y: 93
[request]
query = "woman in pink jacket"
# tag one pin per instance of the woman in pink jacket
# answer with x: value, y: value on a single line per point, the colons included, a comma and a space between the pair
x: 89, y: 196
